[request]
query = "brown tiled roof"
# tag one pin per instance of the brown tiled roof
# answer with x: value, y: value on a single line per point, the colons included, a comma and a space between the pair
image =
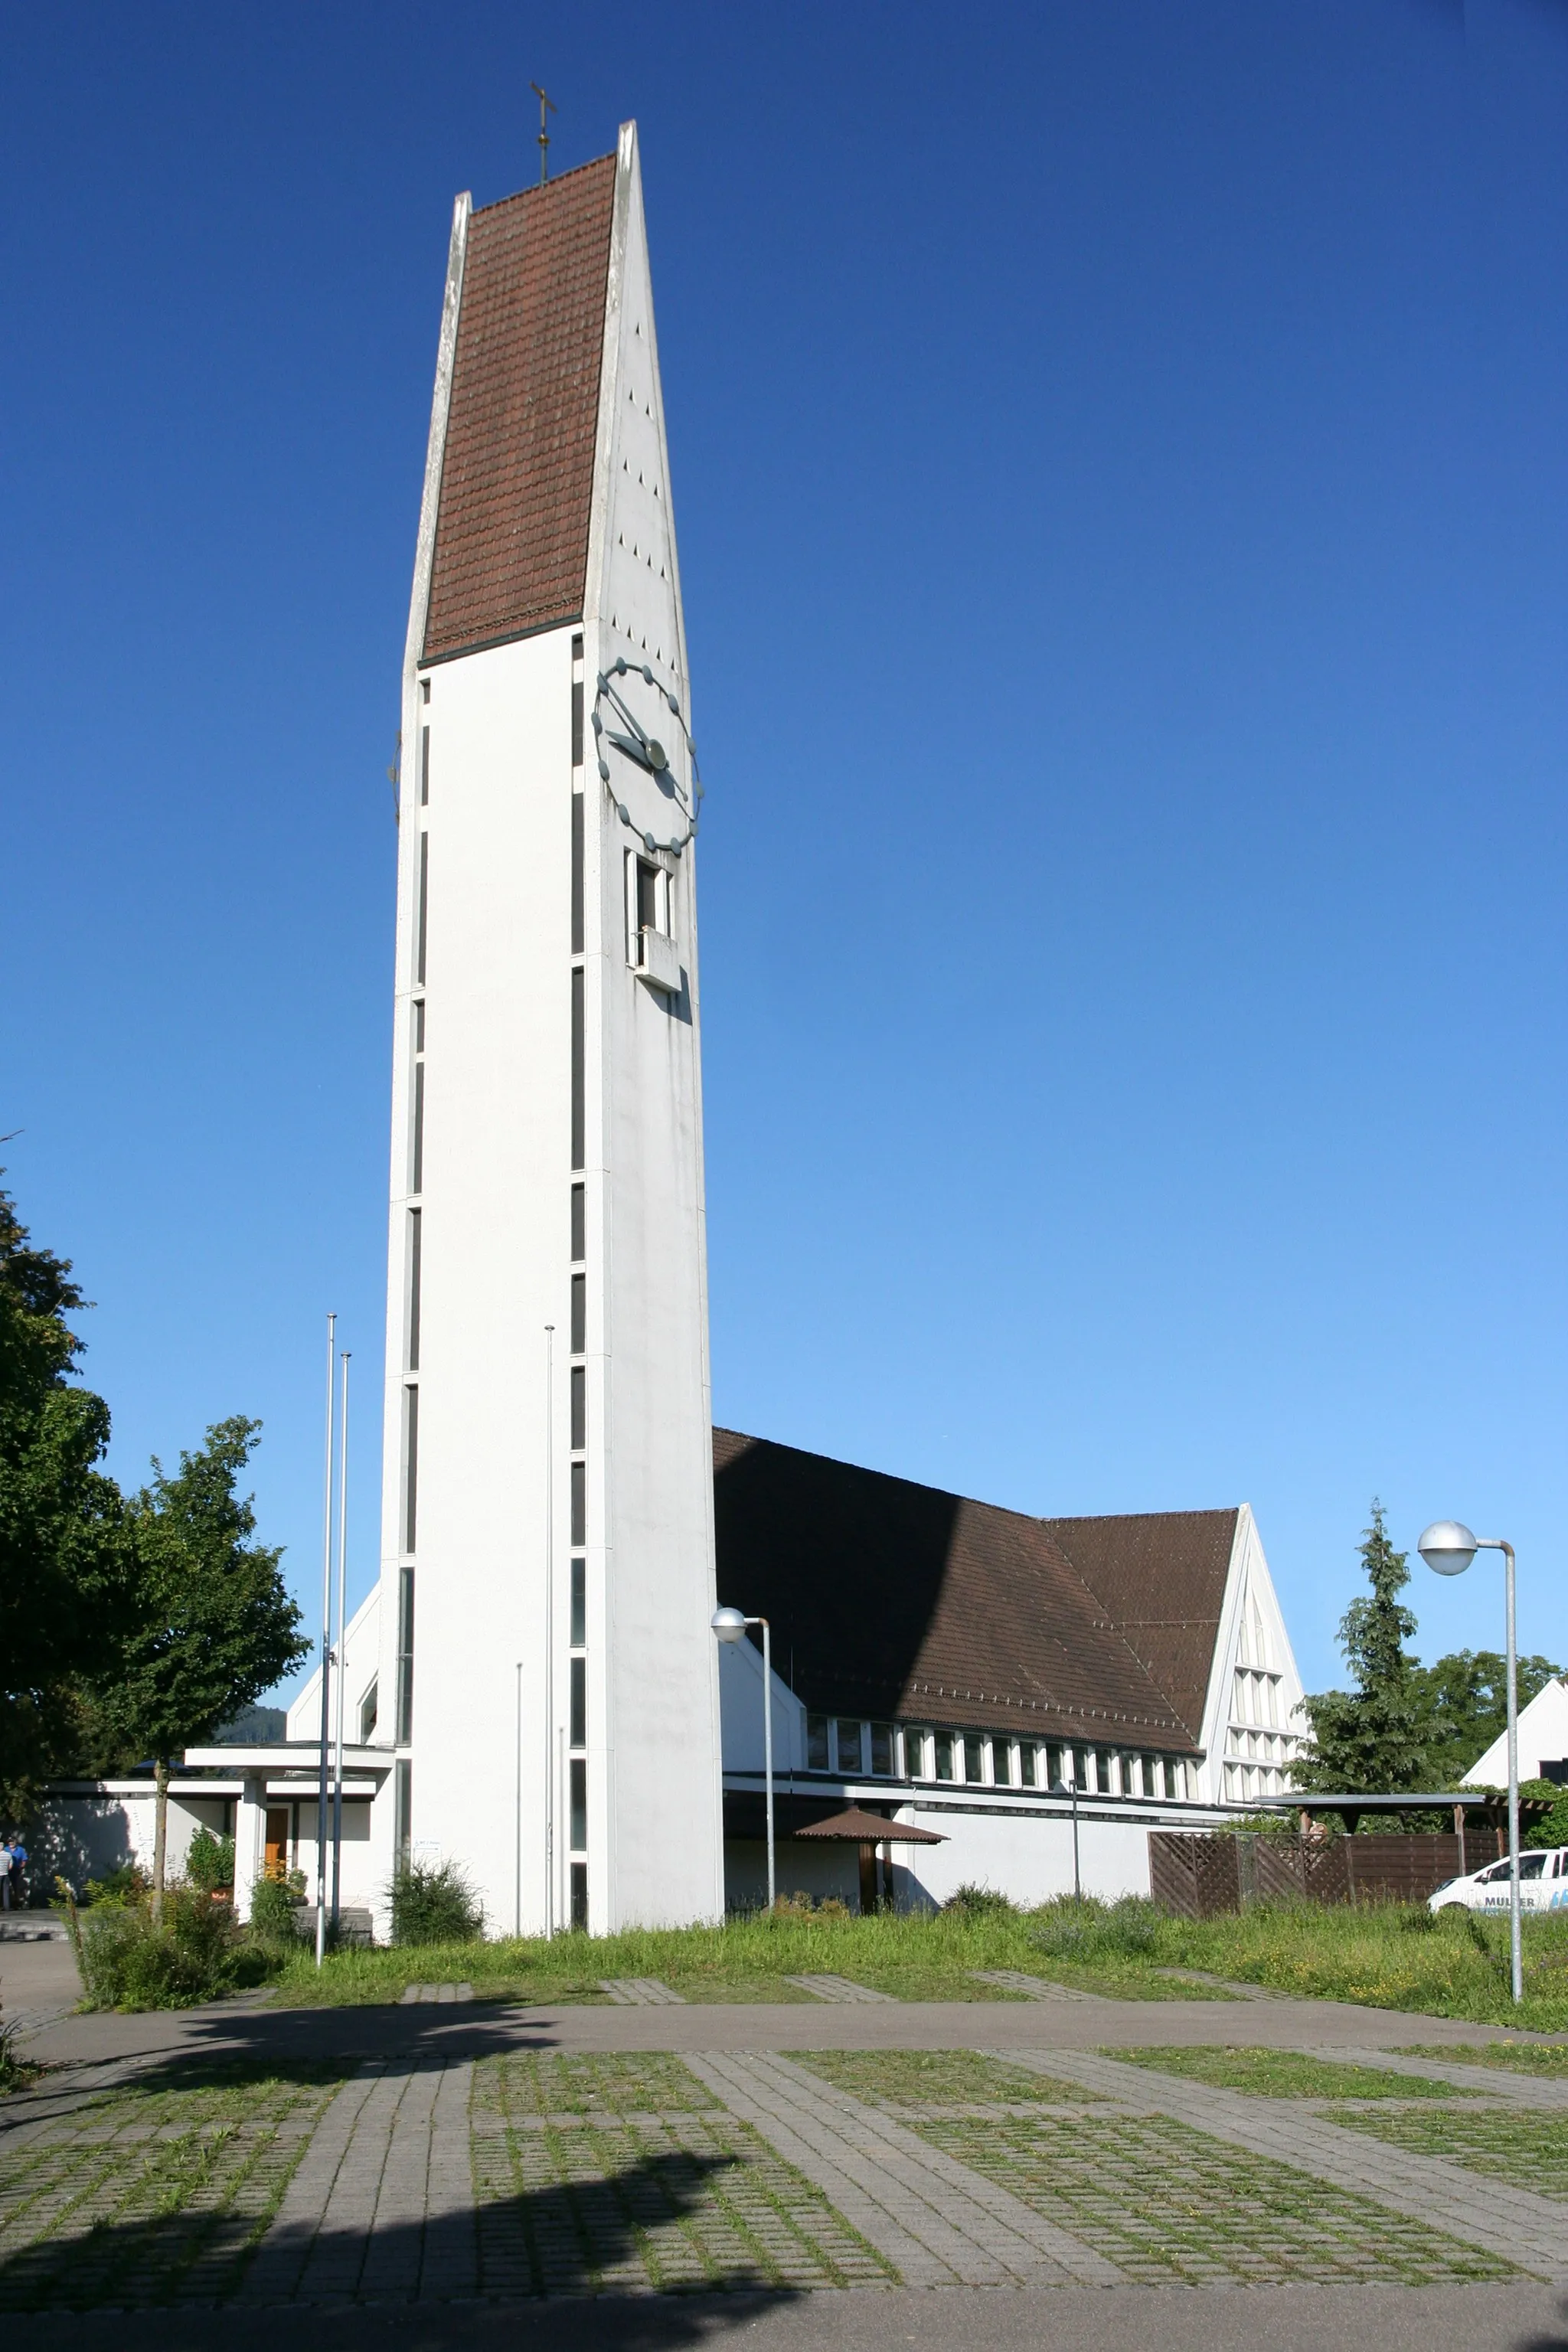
x: 517, y: 478
x: 1160, y: 1578
x: 888, y: 1599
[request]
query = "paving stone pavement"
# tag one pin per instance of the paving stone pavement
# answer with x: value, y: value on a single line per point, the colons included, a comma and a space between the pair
x: 1032, y: 1988
x: 417, y: 1992
x: 938, y: 2223
x: 641, y: 1993
x: 382, y: 2204
x: 1529, y: 2230
x: 837, y: 1989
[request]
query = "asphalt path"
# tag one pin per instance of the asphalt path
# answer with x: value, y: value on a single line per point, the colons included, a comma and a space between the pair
x: 1506, y: 2318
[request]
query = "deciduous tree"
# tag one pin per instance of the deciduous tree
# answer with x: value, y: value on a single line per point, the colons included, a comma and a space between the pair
x: 66, y: 1580
x: 215, y: 1626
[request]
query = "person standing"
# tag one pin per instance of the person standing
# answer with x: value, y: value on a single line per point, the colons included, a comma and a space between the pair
x: 18, y: 1852
x: 5, y: 1874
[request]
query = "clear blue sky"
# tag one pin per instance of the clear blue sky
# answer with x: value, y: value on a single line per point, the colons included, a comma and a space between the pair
x: 1120, y: 461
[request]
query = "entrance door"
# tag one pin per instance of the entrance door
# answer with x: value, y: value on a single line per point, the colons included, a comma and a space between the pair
x: 276, y: 1863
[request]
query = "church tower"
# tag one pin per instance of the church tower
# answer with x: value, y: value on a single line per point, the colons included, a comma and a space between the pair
x: 547, y: 1671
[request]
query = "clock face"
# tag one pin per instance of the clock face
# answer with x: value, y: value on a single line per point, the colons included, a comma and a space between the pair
x: 646, y: 756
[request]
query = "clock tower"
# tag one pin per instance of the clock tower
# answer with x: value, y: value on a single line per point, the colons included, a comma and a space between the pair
x: 547, y: 1675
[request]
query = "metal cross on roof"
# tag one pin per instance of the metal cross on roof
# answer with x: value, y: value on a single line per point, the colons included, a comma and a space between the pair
x: 546, y: 107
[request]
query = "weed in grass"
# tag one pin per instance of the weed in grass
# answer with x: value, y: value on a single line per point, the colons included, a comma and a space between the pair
x: 1286, y: 2074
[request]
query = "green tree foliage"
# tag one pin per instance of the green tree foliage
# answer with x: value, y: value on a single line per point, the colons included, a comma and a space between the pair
x: 216, y: 1626
x: 1373, y: 1739
x: 66, y: 1577
x: 1463, y: 1701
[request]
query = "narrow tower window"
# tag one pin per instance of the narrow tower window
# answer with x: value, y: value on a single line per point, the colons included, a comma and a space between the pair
x: 579, y: 1408
x: 424, y: 907
x: 576, y: 873
x: 579, y: 1603
x: 424, y: 767
x: 414, y: 1222
x: 405, y: 1723
x: 579, y: 1120
x: 579, y: 1225
x: 410, y: 1465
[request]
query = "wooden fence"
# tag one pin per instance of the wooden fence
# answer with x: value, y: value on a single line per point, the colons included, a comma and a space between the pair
x: 1198, y: 1877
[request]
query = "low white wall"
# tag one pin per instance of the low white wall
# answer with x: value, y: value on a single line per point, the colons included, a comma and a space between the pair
x: 1027, y: 1860
x: 86, y: 1836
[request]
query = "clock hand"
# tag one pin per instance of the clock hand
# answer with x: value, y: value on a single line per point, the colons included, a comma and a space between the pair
x: 637, y: 751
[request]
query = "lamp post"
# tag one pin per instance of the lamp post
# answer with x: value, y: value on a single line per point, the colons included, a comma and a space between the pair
x: 1449, y: 1547
x: 1070, y: 1789
x: 729, y: 1624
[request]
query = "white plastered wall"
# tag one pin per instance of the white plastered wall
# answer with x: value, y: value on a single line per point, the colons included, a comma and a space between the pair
x: 1252, y: 1637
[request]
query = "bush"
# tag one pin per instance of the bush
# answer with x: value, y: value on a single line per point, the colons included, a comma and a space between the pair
x: 125, y: 1884
x: 209, y: 1863
x: 194, y: 1953
x: 1082, y: 1927
x: 971, y: 1902
x: 273, y: 1903
x: 434, y: 1903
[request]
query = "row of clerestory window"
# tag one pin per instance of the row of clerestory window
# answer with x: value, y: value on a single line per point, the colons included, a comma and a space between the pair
x: 987, y: 1760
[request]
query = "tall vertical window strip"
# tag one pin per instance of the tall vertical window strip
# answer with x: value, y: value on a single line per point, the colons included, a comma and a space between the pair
x: 579, y: 1502
x: 577, y: 873
x: 402, y: 1809
x: 416, y: 1183
x: 579, y: 1603
x: 405, y: 1715
x: 579, y: 1313
x: 579, y: 1408
x: 579, y: 1122
x: 579, y: 1731
x: 414, y: 1222
x: 576, y: 722
x: 579, y: 1225
x: 578, y: 1772
x: 580, y: 1897
x: 424, y: 767
x: 424, y: 907
x: 410, y: 1465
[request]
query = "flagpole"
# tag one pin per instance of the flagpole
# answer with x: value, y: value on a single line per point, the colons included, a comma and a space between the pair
x: 326, y: 1653
x: 343, y: 1628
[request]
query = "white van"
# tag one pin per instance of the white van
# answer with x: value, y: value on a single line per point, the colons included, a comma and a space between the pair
x: 1543, y: 1885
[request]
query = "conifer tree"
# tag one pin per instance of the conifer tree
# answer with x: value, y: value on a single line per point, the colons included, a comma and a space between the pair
x: 1373, y: 1739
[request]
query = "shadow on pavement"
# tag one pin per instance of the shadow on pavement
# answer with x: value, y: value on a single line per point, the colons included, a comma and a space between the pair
x: 566, y: 2239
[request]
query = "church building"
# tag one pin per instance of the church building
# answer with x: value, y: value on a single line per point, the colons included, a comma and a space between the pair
x: 534, y: 1688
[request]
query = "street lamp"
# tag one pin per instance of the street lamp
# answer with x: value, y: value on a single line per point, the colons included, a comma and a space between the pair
x: 1449, y: 1547
x: 731, y: 1624
x: 1070, y: 1789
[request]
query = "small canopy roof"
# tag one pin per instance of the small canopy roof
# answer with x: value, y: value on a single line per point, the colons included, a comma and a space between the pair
x: 856, y: 1827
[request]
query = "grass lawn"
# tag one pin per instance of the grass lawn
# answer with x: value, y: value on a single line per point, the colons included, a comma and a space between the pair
x: 1387, y: 1957
x: 746, y: 1960
x: 1287, y: 2075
